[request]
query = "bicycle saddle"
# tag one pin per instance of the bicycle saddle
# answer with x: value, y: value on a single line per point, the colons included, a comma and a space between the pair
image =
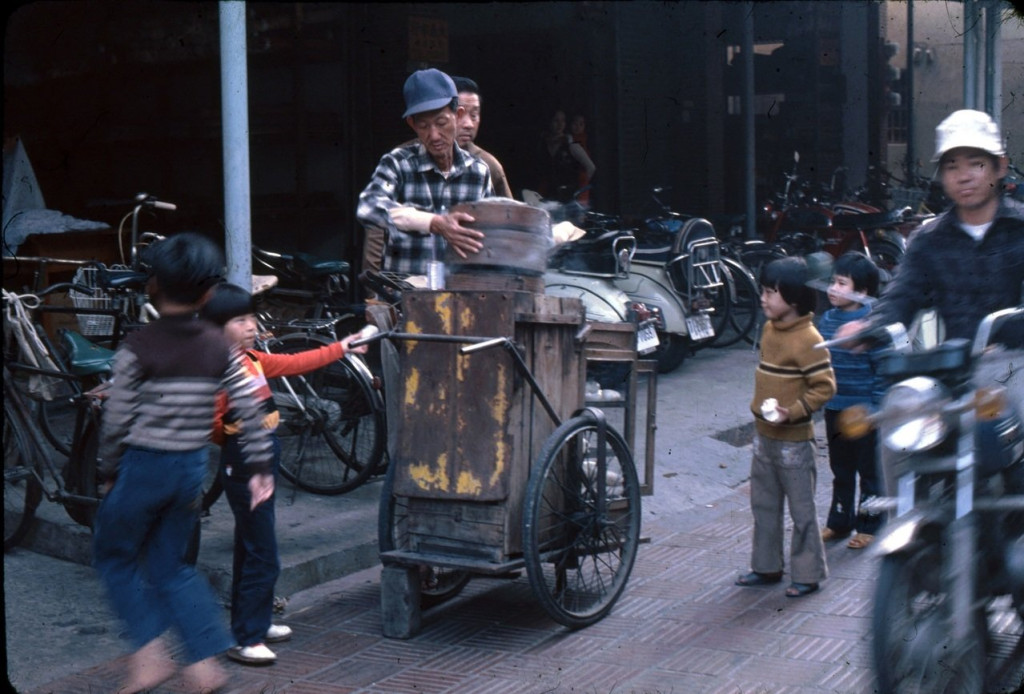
x: 86, y: 358
x: 869, y: 220
x: 302, y: 264
x: 121, y: 279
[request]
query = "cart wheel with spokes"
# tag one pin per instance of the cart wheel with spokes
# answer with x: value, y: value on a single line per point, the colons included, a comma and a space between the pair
x: 581, y: 524
x: 437, y: 583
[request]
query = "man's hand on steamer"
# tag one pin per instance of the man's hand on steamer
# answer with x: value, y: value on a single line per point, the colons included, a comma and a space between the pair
x: 462, y: 239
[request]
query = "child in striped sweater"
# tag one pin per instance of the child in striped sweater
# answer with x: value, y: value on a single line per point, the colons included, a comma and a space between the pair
x: 793, y: 379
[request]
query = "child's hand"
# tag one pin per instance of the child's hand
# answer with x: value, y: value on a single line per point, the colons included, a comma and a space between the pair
x: 783, y: 415
x: 261, y: 488
x: 361, y: 349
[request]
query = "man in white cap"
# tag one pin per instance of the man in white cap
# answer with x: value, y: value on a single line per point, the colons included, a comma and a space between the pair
x: 416, y: 184
x: 968, y: 261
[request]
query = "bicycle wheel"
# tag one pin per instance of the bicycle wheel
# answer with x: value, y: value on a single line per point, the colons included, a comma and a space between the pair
x: 21, y: 488
x: 887, y: 255
x: 745, y: 304
x: 437, y: 583
x: 580, y: 536
x: 332, y: 428
x: 57, y: 420
x: 81, y: 473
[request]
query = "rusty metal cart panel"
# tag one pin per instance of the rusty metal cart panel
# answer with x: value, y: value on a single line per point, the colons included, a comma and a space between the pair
x: 464, y: 438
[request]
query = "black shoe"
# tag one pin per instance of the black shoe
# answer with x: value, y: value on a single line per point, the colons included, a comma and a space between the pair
x: 799, y: 590
x: 759, y: 579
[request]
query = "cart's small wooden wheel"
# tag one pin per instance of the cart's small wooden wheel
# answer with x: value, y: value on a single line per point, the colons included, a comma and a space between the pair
x: 437, y: 583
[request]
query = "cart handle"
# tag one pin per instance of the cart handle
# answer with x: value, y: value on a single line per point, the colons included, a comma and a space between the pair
x: 473, y: 344
x: 486, y: 344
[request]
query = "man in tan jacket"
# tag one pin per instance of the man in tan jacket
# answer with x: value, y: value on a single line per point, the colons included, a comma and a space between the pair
x: 469, y: 126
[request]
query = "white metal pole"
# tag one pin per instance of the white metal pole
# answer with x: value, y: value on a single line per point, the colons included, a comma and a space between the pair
x: 993, y: 62
x: 750, y: 159
x: 971, y: 20
x: 235, y: 128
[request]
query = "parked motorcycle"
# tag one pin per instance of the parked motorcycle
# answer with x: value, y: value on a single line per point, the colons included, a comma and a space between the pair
x: 952, y: 446
x: 678, y: 269
x: 587, y: 269
x: 805, y: 221
x: 606, y: 255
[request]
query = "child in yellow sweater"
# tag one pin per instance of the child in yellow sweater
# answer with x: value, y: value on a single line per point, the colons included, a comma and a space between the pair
x: 792, y: 381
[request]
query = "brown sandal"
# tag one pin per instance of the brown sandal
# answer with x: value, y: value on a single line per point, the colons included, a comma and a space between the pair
x: 860, y: 541
x: 828, y: 534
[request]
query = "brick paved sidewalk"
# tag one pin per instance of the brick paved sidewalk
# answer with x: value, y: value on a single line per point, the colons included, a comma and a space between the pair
x: 681, y: 626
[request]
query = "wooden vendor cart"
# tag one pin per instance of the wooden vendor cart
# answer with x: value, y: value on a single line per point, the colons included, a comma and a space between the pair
x: 496, y: 465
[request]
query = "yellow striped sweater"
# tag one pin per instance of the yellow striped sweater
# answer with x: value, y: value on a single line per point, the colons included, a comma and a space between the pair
x: 794, y: 373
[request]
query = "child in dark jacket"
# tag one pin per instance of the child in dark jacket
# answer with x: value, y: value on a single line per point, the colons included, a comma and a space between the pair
x: 256, y: 564
x: 793, y: 379
x: 857, y: 383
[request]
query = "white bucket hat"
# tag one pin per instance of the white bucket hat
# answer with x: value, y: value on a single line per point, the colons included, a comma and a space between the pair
x: 968, y: 128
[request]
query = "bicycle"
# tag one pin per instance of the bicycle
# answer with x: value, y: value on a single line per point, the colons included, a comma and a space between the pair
x: 84, y: 365
x: 308, y: 288
x: 30, y: 472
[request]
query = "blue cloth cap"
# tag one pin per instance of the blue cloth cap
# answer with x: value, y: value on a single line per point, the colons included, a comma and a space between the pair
x: 428, y: 90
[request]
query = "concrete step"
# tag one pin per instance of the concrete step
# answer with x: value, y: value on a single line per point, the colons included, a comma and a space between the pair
x: 320, y: 538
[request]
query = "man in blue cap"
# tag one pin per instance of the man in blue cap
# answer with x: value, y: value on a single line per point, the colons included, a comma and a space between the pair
x: 416, y: 184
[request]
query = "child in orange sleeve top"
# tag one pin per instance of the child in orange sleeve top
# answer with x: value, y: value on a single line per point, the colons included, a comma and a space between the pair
x: 256, y: 563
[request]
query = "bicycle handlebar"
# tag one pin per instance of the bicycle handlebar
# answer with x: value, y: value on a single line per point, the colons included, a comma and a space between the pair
x: 147, y: 200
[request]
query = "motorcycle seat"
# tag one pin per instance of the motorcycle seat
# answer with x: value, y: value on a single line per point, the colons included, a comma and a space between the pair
x: 868, y: 220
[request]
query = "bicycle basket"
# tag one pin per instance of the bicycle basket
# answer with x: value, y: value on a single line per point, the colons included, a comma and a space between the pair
x: 91, y: 323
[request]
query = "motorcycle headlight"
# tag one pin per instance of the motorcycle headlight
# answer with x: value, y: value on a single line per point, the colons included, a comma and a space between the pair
x: 913, y: 415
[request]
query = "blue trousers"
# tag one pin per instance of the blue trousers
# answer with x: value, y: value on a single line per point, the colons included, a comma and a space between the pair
x: 849, y: 460
x: 256, y: 565
x: 140, y: 534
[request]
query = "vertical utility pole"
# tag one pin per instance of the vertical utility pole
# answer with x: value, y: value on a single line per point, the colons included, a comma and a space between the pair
x: 993, y: 63
x: 234, y: 88
x: 748, y: 121
x: 971, y: 54
x: 911, y: 164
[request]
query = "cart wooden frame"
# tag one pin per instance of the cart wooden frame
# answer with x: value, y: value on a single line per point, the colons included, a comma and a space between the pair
x: 497, y: 467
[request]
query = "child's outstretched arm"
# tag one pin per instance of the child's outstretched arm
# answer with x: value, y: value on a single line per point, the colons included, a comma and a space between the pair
x: 276, y: 365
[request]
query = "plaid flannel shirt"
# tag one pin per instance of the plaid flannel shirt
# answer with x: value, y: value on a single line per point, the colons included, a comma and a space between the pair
x: 408, y: 177
x: 963, y: 279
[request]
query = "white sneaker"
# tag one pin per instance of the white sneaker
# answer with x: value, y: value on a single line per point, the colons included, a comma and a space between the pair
x: 256, y: 654
x: 277, y: 633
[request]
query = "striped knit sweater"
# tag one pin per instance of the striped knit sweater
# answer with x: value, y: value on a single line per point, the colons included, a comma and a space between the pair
x: 857, y: 379
x: 794, y: 373
x: 165, y: 382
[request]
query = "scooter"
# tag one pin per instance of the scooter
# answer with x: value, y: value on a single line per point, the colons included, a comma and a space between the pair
x: 588, y: 269
x: 683, y: 279
x: 952, y: 449
x: 597, y: 268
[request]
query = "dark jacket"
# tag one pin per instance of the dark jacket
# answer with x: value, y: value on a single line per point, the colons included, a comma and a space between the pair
x: 964, y: 280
